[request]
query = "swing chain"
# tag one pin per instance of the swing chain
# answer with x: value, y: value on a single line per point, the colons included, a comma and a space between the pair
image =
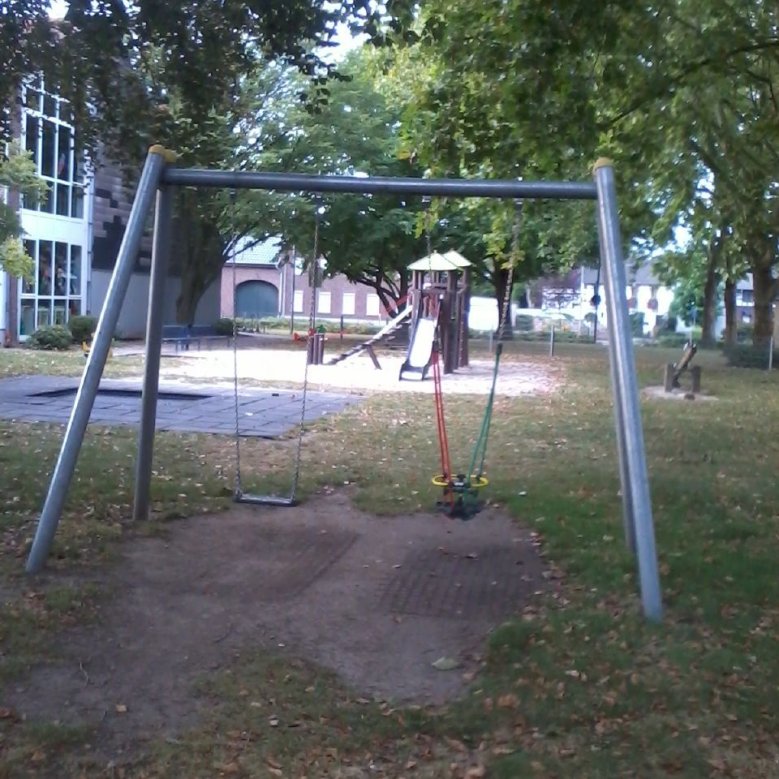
x: 311, y: 322
x: 428, y: 221
x: 506, y: 307
x: 238, y: 487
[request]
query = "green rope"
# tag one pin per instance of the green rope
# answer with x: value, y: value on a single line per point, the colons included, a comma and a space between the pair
x: 480, y: 449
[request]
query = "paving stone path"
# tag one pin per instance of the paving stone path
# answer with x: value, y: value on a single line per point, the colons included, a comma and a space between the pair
x: 194, y: 408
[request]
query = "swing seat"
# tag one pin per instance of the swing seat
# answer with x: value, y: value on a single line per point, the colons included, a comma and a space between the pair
x: 461, y: 495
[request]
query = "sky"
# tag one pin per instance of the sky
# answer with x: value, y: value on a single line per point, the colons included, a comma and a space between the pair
x: 58, y: 8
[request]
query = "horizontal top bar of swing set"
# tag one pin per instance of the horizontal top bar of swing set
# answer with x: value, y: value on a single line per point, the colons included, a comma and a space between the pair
x: 375, y: 185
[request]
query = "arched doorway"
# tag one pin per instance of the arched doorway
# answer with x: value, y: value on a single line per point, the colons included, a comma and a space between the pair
x: 255, y: 299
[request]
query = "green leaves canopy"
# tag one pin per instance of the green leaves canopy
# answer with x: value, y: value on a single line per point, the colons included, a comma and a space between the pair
x: 17, y: 173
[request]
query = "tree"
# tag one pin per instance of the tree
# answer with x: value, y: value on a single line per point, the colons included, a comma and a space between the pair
x: 463, y: 117
x: 675, y: 91
x: 18, y: 177
x: 370, y: 239
x: 94, y: 56
x: 174, y: 74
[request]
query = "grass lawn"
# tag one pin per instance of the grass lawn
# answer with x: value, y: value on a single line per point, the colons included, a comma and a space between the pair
x: 579, y: 685
x: 34, y: 362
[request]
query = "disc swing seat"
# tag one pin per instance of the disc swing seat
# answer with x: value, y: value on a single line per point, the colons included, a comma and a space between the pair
x: 239, y: 495
x: 461, y: 497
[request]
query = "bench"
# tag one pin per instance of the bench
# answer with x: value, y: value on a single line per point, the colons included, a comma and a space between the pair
x: 182, y: 336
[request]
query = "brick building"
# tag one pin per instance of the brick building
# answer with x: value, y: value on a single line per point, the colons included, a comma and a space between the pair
x: 263, y: 282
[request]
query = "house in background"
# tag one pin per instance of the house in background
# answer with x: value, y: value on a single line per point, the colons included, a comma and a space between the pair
x: 573, y: 294
x: 644, y: 291
x: 263, y: 281
x: 74, y: 234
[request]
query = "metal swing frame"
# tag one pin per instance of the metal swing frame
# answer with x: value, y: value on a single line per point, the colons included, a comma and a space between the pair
x: 157, y: 179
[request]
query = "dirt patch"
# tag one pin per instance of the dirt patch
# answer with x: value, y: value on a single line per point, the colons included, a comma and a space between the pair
x: 376, y: 600
x: 659, y: 393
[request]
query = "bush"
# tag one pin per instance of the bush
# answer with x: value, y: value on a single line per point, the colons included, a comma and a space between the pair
x: 524, y: 323
x: 744, y: 333
x: 545, y: 336
x: 82, y: 328
x: 224, y: 326
x: 749, y: 356
x: 637, y: 324
x: 672, y: 340
x: 51, y: 337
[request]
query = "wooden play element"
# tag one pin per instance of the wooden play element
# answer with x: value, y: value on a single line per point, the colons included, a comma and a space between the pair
x: 390, y: 329
x: 440, y: 295
x: 674, y: 370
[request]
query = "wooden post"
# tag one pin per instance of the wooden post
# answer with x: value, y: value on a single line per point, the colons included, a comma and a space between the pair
x: 668, y: 377
x: 374, y: 358
x: 695, y: 374
x: 464, y: 355
x: 452, y: 324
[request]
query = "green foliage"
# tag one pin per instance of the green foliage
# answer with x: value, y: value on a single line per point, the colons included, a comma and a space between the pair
x: 82, y: 328
x: 17, y: 172
x: 15, y: 260
x: 524, y: 323
x: 637, y: 324
x: 224, y: 326
x: 198, y: 52
x: 51, y: 337
x: 745, y: 355
x: 672, y: 340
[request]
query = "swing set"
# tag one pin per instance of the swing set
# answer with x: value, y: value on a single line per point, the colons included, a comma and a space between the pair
x: 158, y: 181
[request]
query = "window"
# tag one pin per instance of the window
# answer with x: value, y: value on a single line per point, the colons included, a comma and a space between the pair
x: 297, y: 303
x: 53, y: 294
x: 347, y: 307
x: 372, y: 305
x: 323, y: 306
x: 51, y: 140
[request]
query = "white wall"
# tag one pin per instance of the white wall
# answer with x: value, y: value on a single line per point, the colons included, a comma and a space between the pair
x: 3, y: 308
x: 132, y: 319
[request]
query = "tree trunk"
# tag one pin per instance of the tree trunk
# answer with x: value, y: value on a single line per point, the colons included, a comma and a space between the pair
x: 196, y: 277
x: 709, y: 318
x: 764, y: 286
x: 197, y: 253
x: 731, y: 322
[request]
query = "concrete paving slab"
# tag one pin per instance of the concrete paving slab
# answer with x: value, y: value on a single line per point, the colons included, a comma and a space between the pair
x: 190, y: 408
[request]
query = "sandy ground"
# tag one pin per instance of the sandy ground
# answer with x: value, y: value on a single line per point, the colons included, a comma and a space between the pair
x: 258, y: 364
x: 378, y: 601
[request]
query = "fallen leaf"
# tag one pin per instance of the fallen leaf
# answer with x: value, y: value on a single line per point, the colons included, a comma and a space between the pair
x: 445, y: 664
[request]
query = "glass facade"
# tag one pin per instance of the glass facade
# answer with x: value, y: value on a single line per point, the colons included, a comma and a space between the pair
x: 55, y: 228
x: 53, y: 295
x: 51, y: 139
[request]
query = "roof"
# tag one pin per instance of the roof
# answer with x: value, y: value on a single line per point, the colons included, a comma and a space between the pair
x: 437, y: 263
x: 262, y: 253
x: 634, y: 274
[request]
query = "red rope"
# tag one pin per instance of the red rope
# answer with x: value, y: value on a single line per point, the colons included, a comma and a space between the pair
x: 443, y: 441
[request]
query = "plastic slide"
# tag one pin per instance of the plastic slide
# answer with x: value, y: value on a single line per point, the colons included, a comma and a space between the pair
x: 420, y: 350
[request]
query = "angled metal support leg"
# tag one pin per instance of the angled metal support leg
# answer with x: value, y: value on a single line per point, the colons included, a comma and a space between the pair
x: 98, y: 354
